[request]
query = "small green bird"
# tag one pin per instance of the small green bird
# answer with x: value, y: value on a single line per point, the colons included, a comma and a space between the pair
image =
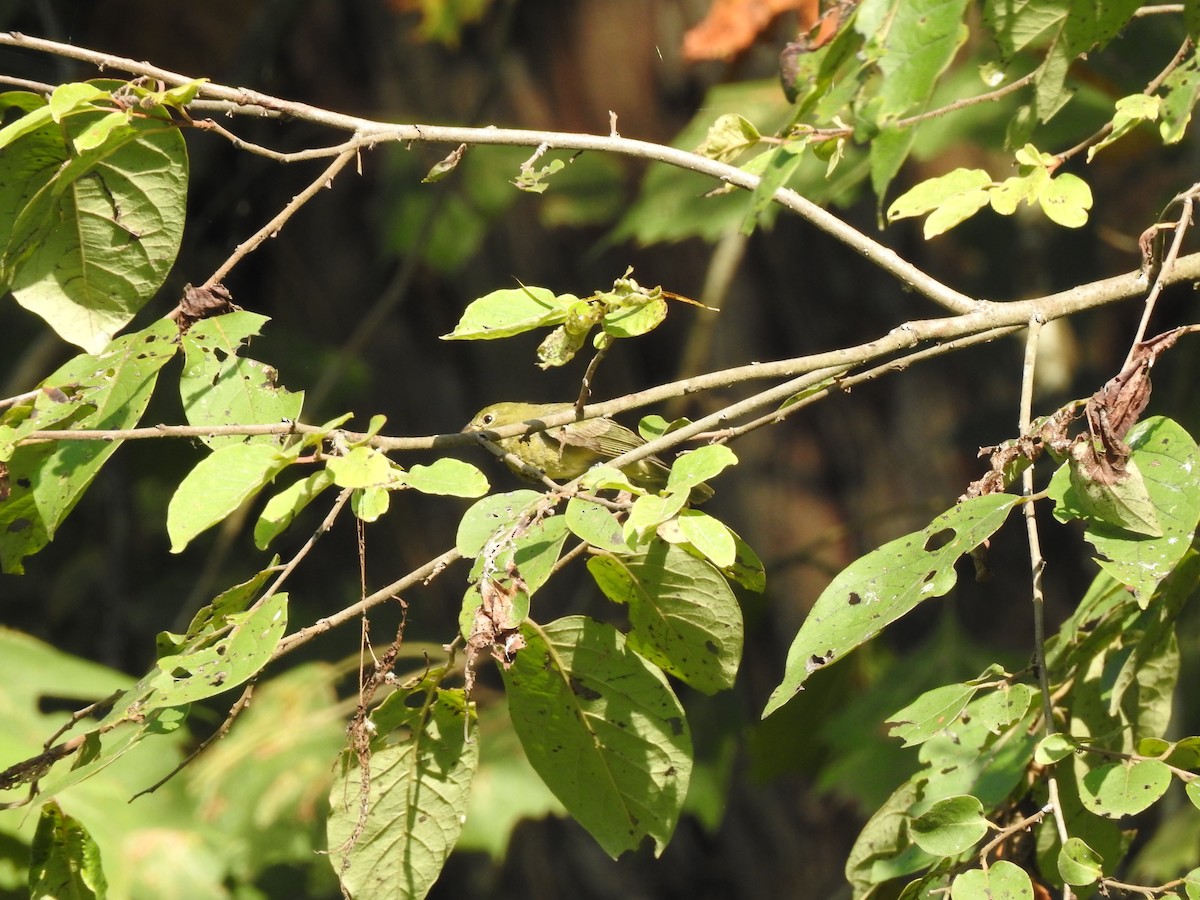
x: 567, y: 451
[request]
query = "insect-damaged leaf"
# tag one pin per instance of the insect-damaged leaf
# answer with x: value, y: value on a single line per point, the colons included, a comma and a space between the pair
x: 882, y: 586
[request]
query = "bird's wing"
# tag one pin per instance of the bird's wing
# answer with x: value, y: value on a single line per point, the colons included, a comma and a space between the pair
x: 601, y: 436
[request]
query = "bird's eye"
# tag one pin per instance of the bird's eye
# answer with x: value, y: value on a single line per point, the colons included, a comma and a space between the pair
x: 488, y: 419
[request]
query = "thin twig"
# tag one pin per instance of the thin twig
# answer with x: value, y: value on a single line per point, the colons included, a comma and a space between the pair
x: 1169, y: 261
x: 585, y: 385
x: 1155, y: 83
x: 1037, y: 565
x: 272, y: 228
x: 342, y: 499
x: 421, y: 575
x: 234, y: 711
x: 989, y: 97
x: 355, y: 143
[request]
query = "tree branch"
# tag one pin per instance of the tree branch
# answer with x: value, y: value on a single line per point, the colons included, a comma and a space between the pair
x: 248, y: 102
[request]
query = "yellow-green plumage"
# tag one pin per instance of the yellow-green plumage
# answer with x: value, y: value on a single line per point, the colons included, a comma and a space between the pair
x: 567, y: 451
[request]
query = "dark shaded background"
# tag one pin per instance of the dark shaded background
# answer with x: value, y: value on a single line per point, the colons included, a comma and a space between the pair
x: 360, y: 284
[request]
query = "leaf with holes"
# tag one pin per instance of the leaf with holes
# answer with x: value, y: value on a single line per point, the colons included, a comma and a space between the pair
x: 111, y: 389
x: 930, y: 713
x: 395, y: 843
x: 218, y: 387
x: 64, y: 860
x: 682, y: 613
x: 1124, y: 789
x: 603, y: 729
x: 215, y: 668
x: 879, y: 588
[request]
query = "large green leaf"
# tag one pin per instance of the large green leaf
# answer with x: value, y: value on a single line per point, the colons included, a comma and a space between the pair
x: 47, y: 480
x: 420, y: 782
x: 879, y: 588
x: 603, y: 729
x: 86, y: 239
x: 682, y: 614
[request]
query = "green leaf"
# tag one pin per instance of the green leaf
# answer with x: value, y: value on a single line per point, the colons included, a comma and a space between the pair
x: 505, y: 313
x: 212, y: 669
x: 697, y: 466
x: 70, y: 98
x: 532, y: 552
x: 396, y: 843
x: 603, y: 729
x: 48, y: 479
x: 37, y: 115
x: 218, y: 387
x: 885, y: 839
x: 64, y: 860
x: 218, y: 485
x: 1003, y: 706
x: 649, y: 511
x: 950, y: 827
x: 635, y: 319
x: 533, y: 180
x: 1191, y: 884
x: 683, y: 616
x: 1052, y: 748
x: 491, y: 515
x: 1129, y: 112
x: 747, y: 569
x: 446, y: 477
x: 1002, y: 881
x: 949, y: 199
x: 889, y: 148
x: 282, y: 509
x: 1125, y: 503
x: 955, y: 211
x: 49, y: 407
x: 728, y: 137
x: 1124, y: 789
x: 1079, y: 864
x: 880, y: 587
x: 912, y: 41
x: 1182, y: 89
x: 930, y: 713
x: 711, y: 537
x: 1066, y: 200
x: 594, y: 524
x: 87, y: 239
x: 1167, y: 458
x: 1008, y: 194
x: 114, y: 127
x: 214, y: 618
x: 370, y: 504
x: 362, y: 467
x: 780, y: 164
x: 1192, y: 789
